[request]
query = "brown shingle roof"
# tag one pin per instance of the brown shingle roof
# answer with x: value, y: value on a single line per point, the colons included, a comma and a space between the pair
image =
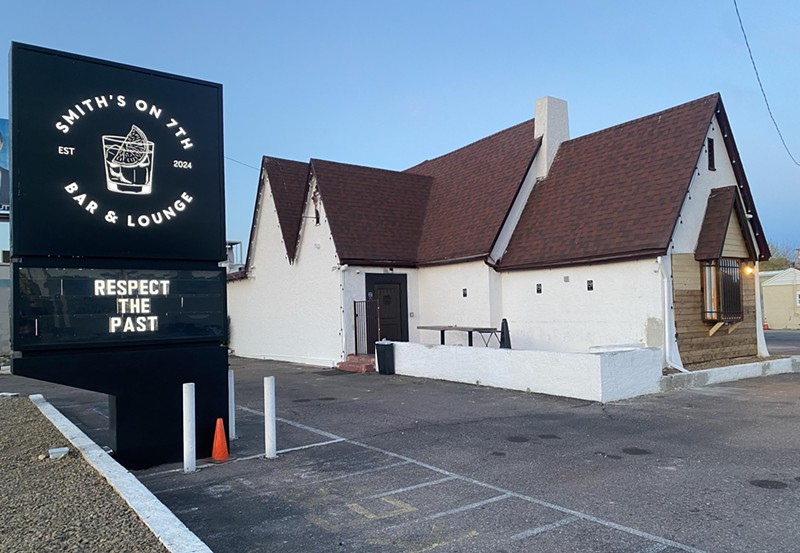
x: 473, y: 189
x: 721, y: 203
x: 375, y: 215
x: 288, y: 182
x: 615, y: 193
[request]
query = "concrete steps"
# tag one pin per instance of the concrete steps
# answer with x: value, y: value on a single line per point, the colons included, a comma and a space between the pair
x: 357, y: 364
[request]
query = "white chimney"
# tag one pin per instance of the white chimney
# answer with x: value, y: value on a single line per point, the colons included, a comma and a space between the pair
x: 552, y: 124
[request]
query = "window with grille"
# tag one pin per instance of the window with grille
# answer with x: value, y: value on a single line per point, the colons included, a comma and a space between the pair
x: 722, y: 290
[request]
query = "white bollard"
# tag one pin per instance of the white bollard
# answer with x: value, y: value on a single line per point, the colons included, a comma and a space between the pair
x: 189, y: 448
x: 231, y: 406
x: 270, y: 438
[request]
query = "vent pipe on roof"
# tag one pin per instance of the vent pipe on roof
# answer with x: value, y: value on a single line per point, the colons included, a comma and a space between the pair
x: 552, y: 125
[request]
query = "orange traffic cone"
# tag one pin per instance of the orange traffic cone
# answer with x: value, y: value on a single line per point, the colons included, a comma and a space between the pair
x: 219, y: 452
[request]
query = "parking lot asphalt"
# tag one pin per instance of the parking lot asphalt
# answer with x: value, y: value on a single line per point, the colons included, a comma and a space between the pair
x: 783, y: 342
x: 396, y: 464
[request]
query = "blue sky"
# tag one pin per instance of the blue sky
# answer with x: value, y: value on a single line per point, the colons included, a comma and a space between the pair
x: 391, y: 84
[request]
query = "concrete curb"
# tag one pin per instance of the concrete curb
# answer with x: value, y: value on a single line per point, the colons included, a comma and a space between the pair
x: 729, y: 374
x: 169, y: 530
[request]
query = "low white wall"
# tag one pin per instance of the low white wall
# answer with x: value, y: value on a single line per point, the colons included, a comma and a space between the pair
x: 604, y: 376
x: 707, y: 377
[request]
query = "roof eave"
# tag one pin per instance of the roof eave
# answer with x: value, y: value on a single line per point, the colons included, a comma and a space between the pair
x: 398, y: 263
x: 741, y: 179
x: 453, y: 260
x: 608, y: 258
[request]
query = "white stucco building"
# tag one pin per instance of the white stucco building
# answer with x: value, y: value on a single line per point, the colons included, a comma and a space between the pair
x: 644, y: 234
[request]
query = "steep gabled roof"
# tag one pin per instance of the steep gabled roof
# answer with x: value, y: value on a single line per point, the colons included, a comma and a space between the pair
x: 722, y: 202
x: 375, y: 215
x: 288, y: 182
x: 473, y: 188
x: 613, y: 194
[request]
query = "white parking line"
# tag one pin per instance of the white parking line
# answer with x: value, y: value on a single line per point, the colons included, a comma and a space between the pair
x: 545, y: 528
x: 467, y: 507
x: 304, y: 427
x: 361, y: 472
x: 656, y: 548
x: 310, y: 445
x: 410, y: 488
x: 453, y: 511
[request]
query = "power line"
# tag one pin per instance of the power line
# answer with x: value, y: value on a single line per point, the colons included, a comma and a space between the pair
x: 242, y: 163
x: 761, y: 86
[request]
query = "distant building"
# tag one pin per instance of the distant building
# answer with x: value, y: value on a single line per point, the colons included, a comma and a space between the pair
x: 781, y: 293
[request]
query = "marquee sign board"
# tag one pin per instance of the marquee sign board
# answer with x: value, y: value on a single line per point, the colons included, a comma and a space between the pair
x: 59, y: 307
x: 114, y: 161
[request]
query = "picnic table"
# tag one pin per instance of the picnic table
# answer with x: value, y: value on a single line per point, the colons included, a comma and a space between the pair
x: 484, y: 332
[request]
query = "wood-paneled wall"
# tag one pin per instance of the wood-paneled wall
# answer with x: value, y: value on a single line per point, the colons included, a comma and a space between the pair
x: 694, y: 343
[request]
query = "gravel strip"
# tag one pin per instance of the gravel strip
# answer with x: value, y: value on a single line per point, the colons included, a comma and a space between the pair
x: 58, y: 504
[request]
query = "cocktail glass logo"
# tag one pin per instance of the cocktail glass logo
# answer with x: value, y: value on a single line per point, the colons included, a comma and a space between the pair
x: 129, y: 162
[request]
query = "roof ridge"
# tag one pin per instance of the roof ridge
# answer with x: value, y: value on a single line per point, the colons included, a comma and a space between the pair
x: 276, y: 158
x: 368, y: 167
x: 639, y: 120
x: 457, y: 150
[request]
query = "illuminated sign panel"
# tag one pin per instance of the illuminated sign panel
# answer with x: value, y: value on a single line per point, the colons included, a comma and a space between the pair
x: 66, y: 307
x: 114, y: 161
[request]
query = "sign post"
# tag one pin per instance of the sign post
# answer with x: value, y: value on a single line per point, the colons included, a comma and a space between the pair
x: 117, y: 230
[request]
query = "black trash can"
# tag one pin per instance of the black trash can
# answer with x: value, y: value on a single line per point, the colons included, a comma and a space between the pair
x: 385, y: 352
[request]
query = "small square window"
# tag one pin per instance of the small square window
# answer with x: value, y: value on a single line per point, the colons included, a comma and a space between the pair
x: 464, y: 292
x: 539, y: 290
x: 590, y: 285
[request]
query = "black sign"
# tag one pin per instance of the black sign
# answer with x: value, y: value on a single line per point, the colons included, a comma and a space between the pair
x: 112, y: 161
x: 57, y: 307
x: 117, y: 230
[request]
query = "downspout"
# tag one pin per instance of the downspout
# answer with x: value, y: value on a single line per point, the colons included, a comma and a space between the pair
x: 342, y: 270
x: 760, y: 339
x: 672, y: 355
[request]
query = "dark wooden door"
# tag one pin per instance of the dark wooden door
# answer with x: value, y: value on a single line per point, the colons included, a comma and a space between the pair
x: 391, y: 312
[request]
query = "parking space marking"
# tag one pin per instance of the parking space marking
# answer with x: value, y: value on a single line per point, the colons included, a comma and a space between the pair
x: 360, y: 472
x: 298, y: 425
x: 437, y: 537
x: 455, y: 511
x: 467, y: 507
x: 544, y: 528
x: 400, y: 508
x: 663, y: 543
x: 410, y: 488
x: 656, y: 548
x: 298, y: 448
x: 607, y: 523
